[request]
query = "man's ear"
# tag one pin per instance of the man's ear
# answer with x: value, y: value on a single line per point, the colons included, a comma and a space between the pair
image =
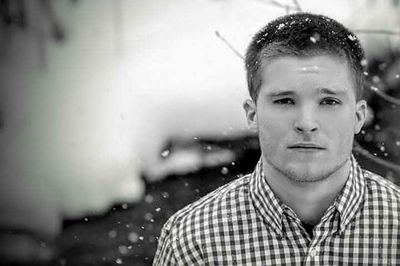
x: 361, y: 115
x: 251, y: 114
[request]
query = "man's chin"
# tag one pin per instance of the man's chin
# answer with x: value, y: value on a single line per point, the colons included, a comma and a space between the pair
x: 305, y: 175
x: 306, y: 171
x: 310, y: 172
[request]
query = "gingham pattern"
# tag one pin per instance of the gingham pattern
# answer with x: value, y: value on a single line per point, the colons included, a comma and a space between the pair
x: 243, y: 223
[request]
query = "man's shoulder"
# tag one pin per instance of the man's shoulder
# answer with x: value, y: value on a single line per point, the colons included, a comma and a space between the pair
x: 382, y: 189
x: 185, y: 234
x: 216, y: 203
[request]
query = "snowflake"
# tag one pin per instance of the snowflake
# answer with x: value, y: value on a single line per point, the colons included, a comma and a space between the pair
x: 364, y: 62
x: 165, y: 153
x: 133, y: 237
x: 280, y: 26
x: 352, y: 37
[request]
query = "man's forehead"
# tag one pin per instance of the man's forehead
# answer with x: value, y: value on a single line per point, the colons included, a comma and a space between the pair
x: 306, y: 64
x: 321, y: 74
x: 268, y: 57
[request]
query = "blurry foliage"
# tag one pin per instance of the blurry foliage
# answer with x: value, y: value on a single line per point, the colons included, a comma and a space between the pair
x: 37, y: 17
x: 382, y: 137
x: 15, y: 13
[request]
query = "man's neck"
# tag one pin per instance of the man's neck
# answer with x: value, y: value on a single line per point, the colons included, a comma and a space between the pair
x: 309, y: 200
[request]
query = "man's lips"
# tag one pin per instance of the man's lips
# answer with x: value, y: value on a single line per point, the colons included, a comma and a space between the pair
x: 306, y: 146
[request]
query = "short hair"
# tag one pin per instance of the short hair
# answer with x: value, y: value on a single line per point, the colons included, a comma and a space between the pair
x: 303, y: 35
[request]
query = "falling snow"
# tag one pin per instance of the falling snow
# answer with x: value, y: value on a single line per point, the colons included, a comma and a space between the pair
x: 123, y: 249
x: 364, y: 62
x: 112, y: 234
x: 352, y: 38
x: 148, y: 198
x: 148, y: 216
x: 133, y: 237
x: 374, y: 88
x: 376, y: 79
x: 165, y: 153
x: 315, y: 37
x: 224, y: 170
x: 280, y: 26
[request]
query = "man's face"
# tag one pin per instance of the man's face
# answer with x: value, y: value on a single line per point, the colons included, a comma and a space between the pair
x: 306, y: 115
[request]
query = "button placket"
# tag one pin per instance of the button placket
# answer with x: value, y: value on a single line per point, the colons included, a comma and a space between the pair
x: 313, y: 252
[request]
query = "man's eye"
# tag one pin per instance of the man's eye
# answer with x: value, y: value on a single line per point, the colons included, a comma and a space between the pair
x: 330, y: 101
x: 284, y: 101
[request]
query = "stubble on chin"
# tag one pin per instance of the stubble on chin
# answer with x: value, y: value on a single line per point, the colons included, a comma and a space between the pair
x: 306, y: 175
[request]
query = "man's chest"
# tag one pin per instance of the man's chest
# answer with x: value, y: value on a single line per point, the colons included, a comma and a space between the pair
x: 363, y: 242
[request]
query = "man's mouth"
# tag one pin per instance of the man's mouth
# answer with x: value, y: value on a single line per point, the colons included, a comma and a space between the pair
x: 306, y: 146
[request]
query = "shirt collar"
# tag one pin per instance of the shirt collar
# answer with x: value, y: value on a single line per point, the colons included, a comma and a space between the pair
x: 264, y: 200
x: 349, y: 200
x: 271, y: 208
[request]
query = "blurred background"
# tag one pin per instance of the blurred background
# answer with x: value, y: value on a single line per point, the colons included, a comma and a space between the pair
x: 114, y: 114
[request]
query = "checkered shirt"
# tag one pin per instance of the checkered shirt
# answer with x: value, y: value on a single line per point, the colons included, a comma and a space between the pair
x: 243, y: 223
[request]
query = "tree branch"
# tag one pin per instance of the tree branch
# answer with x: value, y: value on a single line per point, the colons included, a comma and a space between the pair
x: 297, y: 5
x: 385, y: 96
x: 288, y: 8
x: 229, y: 45
x: 357, y: 148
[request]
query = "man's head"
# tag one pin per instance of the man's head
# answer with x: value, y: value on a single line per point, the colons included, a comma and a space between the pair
x: 303, y: 35
x: 305, y: 80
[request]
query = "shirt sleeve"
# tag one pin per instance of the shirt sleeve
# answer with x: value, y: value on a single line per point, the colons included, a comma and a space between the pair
x: 178, y: 245
x: 164, y: 254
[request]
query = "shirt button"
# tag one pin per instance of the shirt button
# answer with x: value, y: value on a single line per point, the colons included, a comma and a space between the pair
x: 313, y: 252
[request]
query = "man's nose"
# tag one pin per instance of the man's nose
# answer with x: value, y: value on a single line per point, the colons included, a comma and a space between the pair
x: 306, y: 121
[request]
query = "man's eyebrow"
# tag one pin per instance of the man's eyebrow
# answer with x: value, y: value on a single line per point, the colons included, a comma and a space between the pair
x: 281, y: 93
x: 332, y: 92
x: 321, y: 90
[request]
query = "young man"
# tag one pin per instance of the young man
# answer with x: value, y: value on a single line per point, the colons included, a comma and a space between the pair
x: 307, y: 202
